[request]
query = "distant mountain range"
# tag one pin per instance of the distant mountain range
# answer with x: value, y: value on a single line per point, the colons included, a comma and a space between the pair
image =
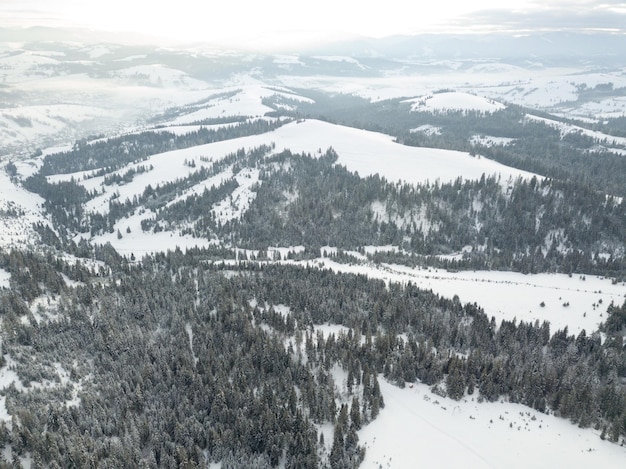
x: 603, y: 48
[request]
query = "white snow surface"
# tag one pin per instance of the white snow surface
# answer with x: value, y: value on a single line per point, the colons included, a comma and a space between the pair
x: 370, y: 153
x: 4, y: 278
x: 141, y: 243
x: 17, y: 230
x: 239, y: 201
x: 427, y: 129
x: 489, y: 141
x: 247, y: 100
x: 417, y: 428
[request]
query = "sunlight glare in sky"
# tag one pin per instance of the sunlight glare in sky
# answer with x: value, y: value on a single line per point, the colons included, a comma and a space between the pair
x: 245, y: 21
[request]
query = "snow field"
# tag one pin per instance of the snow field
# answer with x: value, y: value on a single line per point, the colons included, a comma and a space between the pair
x: 247, y: 101
x: 241, y: 198
x: 569, y: 301
x: 140, y: 243
x: 427, y: 129
x: 417, y: 428
x: 489, y: 141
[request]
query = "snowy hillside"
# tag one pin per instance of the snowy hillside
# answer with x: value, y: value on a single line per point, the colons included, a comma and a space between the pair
x: 19, y: 210
x: 366, y: 153
x: 339, y: 260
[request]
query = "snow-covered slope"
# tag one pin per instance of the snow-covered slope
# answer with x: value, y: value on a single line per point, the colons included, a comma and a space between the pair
x: 565, y: 129
x: 371, y: 153
x: 19, y: 209
x: 367, y: 153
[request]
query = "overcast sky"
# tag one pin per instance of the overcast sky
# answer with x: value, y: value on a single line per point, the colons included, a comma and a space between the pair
x: 267, y: 21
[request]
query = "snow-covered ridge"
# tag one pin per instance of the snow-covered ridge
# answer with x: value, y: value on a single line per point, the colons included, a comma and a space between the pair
x: 364, y: 152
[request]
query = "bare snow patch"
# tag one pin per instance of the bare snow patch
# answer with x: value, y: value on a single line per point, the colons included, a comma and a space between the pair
x: 490, y: 141
x: 239, y: 201
x: 5, y: 277
x: 427, y: 129
x: 19, y: 209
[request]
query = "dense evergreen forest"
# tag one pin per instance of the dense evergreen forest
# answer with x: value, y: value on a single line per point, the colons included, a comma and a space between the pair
x: 182, y: 361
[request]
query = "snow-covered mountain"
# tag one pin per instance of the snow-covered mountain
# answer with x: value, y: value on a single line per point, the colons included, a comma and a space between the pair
x: 412, y: 168
x: 58, y: 90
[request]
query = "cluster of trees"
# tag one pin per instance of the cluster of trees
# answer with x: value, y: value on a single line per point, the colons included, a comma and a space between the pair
x: 127, y: 176
x: 186, y: 361
x: 63, y: 201
x: 33, y: 275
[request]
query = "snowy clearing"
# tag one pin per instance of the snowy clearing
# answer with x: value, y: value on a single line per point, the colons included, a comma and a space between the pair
x: 568, y: 301
x: 417, y: 428
x: 5, y: 277
x: 427, y: 129
x: 489, y: 141
x: 19, y: 209
x: 140, y: 244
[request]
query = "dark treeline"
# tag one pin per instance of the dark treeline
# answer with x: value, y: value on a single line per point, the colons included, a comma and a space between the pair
x: 184, y: 361
x: 114, y: 153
